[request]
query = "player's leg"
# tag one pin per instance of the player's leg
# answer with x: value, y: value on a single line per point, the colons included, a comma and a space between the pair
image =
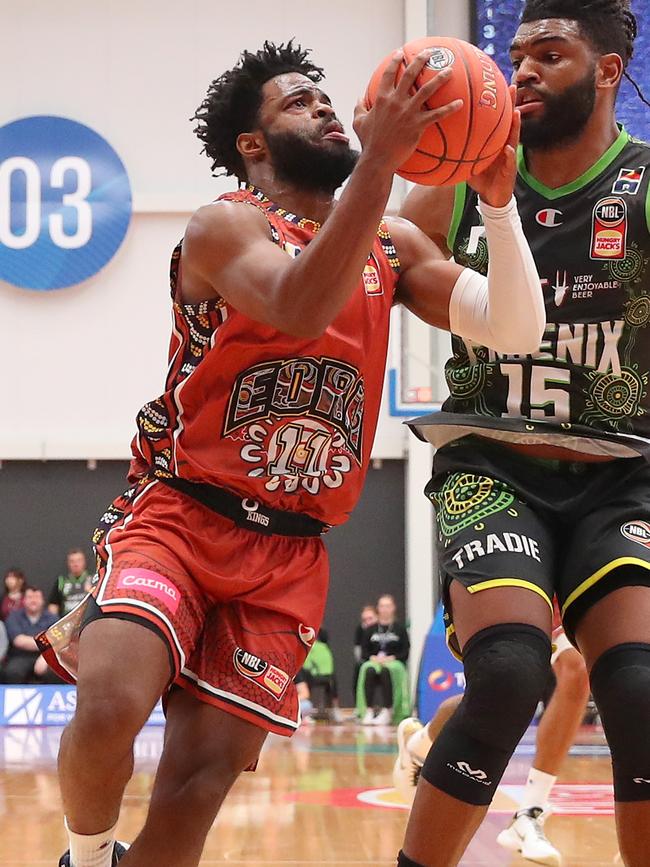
x: 614, y: 636
x: 385, y: 693
x: 205, y: 751
x: 114, y: 699
x: 504, y: 635
x: 559, y: 723
x: 555, y: 734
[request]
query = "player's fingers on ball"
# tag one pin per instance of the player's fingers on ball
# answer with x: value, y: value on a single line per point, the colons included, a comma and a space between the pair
x: 387, y: 81
x: 360, y: 109
x: 412, y: 71
x: 434, y: 84
x: 436, y: 114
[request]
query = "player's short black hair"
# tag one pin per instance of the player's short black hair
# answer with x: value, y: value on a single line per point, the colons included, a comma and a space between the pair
x: 610, y: 25
x: 233, y: 100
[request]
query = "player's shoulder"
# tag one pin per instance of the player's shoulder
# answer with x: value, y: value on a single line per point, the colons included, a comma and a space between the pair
x: 225, y: 217
x: 430, y: 208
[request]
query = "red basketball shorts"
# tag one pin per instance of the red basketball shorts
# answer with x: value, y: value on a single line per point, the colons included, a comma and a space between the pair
x: 238, y: 611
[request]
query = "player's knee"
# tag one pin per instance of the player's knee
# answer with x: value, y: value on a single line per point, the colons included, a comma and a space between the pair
x: 202, y: 786
x: 571, y: 674
x: 506, y: 668
x: 620, y: 681
x: 110, y: 714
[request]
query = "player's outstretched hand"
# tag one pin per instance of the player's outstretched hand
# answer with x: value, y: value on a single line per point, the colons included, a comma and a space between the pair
x: 495, y: 184
x: 391, y: 129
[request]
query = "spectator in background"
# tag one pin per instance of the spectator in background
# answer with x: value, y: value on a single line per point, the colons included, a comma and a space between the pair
x: 368, y: 618
x: 24, y: 664
x: 383, y: 678
x: 69, y: 590
x: 12, y: 599
x: 318, y: 671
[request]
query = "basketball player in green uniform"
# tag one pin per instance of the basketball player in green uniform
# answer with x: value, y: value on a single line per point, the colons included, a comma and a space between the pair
x: 540, y: 481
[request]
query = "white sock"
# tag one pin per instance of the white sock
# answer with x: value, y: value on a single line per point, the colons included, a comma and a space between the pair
x: 91, y: 850
x: 538, y: 789
x: 419, y: 744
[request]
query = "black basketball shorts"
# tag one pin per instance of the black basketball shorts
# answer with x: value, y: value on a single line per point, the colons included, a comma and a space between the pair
x: 575, y: 530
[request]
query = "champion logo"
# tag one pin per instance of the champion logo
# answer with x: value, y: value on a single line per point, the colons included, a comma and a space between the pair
x: 549, y: 218
x: 640, y: 780
x: 307, y: 634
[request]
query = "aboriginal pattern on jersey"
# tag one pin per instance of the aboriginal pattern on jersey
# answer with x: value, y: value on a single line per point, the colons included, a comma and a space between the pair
x: 194, y: 327
x: 465, y: 500
x: 591, y: 244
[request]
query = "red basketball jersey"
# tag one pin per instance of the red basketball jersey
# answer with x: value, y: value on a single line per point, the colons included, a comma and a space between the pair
x: 284, y: 420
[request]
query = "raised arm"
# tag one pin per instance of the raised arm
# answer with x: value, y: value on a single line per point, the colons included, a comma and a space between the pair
x: 227, y: 247
x: 505, y: 311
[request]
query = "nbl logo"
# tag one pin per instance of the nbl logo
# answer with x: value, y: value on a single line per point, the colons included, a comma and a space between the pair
x: 609, y: 229
x: 441, y: 59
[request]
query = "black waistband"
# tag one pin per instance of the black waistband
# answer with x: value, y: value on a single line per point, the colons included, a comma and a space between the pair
x: 247, y: 513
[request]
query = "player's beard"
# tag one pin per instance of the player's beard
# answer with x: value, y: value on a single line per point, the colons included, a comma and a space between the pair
x: 309, y: 166
x: 565, y: 115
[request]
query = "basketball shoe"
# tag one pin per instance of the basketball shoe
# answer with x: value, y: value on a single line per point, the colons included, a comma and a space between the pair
x: 407, y: 768
x: 525, y: 835
x: 118, y: 850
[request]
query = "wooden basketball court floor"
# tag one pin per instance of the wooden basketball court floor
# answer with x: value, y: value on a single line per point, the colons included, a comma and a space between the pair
x: 322, y: 798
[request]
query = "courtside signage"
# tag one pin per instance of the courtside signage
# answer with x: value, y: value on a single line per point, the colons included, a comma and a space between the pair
x: 46, y: 706
x: 65, y: 202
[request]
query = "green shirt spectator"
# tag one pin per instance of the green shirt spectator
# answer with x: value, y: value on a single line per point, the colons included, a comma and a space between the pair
x: 70, y: 589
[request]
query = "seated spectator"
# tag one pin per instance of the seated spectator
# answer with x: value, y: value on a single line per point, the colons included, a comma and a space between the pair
x: 70, y: 589
x: 318, y: 672
x: 24, y: 664
x: 383, y: 677
x: 367, y: 618
x: 13, y: 592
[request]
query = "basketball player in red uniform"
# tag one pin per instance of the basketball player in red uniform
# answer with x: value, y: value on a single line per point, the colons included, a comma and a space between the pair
x: 212, y: 575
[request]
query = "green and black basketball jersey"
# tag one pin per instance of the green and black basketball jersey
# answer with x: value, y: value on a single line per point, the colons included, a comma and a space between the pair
x: 590, y: 378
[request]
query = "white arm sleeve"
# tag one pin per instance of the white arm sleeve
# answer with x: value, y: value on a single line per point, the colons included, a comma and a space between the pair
x: 505, y: 311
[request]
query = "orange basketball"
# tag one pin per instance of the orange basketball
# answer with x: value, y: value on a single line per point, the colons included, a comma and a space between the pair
x: 467, y: 142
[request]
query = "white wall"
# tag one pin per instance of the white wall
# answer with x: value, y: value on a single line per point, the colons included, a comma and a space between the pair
x: 77, y: 363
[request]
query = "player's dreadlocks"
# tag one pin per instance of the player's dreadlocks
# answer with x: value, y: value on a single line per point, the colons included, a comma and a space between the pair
x: 233, y: 100
x: 610, y: 25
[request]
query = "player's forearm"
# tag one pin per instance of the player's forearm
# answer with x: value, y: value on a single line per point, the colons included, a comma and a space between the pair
x: 506, y: 312
x: 322, y: 279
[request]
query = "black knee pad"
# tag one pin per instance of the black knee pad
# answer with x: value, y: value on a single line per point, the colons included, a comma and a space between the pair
x: 620, y: 682
x: 506, y: 669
